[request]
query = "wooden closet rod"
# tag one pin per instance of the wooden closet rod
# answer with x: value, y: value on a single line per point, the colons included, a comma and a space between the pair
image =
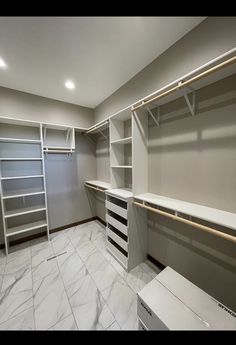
x: 189, y: 222
x: 187, y: 82
x: 96, y: 127
x: 97, y: 189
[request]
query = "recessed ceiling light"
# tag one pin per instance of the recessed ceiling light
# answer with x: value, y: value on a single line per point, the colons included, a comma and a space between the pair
x: 69, y: 84
x: 3, y: 64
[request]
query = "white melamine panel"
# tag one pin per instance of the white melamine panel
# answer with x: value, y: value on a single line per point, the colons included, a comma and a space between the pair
x: 117, y: 254
x: 97, y: 183
x: 26, y: 227
x: 118, y: 225
x: 117, y: 209
x: 209, y: 214
x: 123, y: 244
x: 121, y: 193
x: 123, y: 141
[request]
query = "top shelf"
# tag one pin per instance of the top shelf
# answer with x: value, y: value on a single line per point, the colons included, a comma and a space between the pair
x: 122, y: 141
x: 205, y: 75
x: 99, y: 184
x: 213, y: 215
x: 121, y: 193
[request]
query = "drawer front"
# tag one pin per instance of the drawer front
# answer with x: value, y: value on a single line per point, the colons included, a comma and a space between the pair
x: 148, y: 318
x: 141, y: 326
x: 118, y: 225
x: 118, y: 255
x: 117, y: 239
x: 117, y: 209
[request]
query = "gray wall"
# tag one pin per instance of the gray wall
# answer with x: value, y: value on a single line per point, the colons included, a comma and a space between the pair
x: 26, y: 106
x: 103, y: 172
x: 212, y: 37
x: 193, y: 159
x: 68, y: 200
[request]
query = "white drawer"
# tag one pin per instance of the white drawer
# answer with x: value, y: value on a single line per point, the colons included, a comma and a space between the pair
x: 118, y: 225
x: 122, y: 243
x: 116, y: 209
x: 117, y: 254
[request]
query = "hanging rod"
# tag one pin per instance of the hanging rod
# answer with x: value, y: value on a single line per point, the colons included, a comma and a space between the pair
x: 97, y: 127
x: 97, y: 189
x: 189, y: 222
x: 187, y: 82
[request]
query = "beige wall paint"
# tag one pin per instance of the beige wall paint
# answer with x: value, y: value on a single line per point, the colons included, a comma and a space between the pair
x: 212, y: 37
x: 26, y: 106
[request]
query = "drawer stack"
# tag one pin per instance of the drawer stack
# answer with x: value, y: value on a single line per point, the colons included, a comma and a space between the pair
x: 117, y: 229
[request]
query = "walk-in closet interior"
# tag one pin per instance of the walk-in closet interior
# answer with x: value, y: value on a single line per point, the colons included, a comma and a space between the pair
x: 117, y: 173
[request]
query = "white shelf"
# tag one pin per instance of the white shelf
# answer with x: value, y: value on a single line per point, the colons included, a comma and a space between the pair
x: 25, y: 210
x: 122, y: 166
x: 20, y: 177
x: 209, y: 214
x: 26, y: 227
x: 15, y: 140
x: 20, y: 159
x: 122, y: 193
x: 45, y: 148
x: 122, y: 141
x: 22, y: 193
x: 100, y: 184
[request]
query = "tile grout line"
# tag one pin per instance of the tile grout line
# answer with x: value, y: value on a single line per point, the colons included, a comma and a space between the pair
x: 72, y: 313
x: 32, y: 283
x: 3, y: 292
x: 100, y: 292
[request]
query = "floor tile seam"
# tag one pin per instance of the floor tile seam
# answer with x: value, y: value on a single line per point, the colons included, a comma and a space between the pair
x: 3, y: 276
x: 10, y: 318
x: 66, y: 295
x: 100, y: 292
x: 32, y: 286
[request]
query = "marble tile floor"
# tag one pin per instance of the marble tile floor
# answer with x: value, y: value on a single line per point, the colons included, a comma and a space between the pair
x: 69, y: 283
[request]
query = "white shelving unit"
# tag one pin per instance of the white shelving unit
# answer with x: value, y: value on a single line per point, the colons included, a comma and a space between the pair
x: 97, y: 185
x: 121, y: 149
x: 58, y: 139
x: 22, y: 179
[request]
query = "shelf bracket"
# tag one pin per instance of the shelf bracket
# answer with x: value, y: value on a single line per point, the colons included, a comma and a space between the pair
x: 153, y: 117
x: 192, y: 107
x: 102, y: 134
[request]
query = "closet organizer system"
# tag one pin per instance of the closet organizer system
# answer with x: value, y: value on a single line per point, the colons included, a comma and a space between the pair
x: 128, y: 199
x: 25, y: 144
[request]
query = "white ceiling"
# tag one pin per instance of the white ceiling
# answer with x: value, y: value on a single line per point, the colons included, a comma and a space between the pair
x: 99, y: 54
